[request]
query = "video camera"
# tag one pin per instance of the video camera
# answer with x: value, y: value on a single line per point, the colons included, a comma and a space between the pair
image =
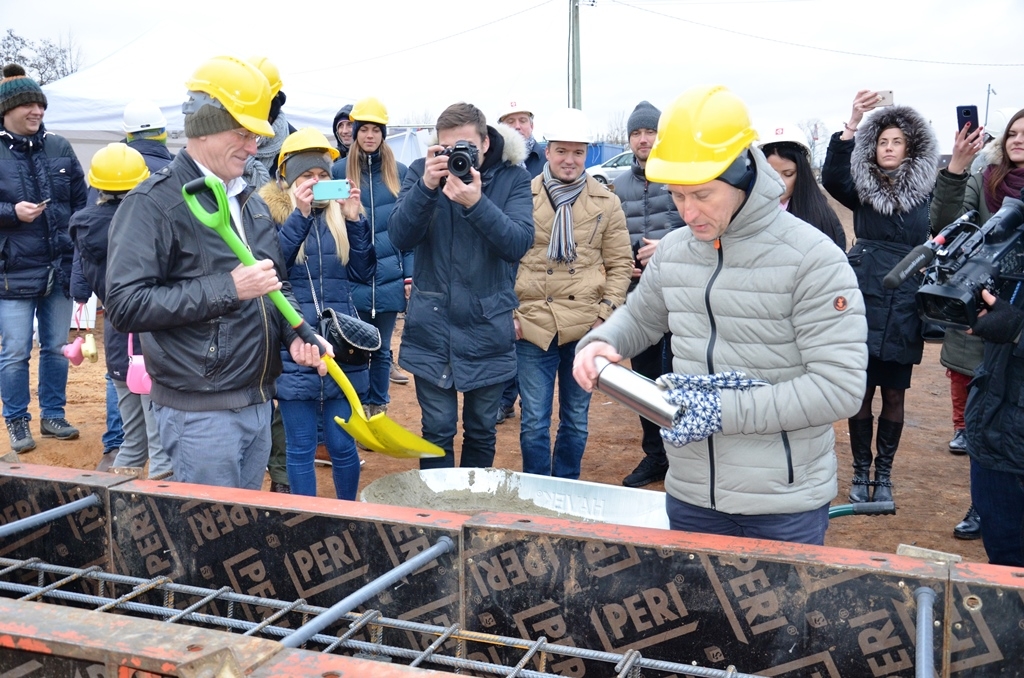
x: 961, y: 261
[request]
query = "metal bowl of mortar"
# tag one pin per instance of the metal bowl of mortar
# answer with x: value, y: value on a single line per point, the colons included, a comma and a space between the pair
x: 476, y: 490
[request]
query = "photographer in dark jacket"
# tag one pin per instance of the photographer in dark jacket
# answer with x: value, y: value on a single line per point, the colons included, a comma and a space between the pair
x: 995, y: 431
x: 210, y: 338
x: 651, y: 214
x: 459, y: 336
x: 41, y: 186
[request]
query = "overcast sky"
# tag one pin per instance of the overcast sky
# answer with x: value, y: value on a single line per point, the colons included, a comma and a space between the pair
x: 790, y: 60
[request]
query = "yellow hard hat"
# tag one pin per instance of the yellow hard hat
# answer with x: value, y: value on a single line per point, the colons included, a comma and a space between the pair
x: 117, y: 168
x: 699, y: 136
x: 269, y: 71
x: 304, y: 140
x: 369, y: 109
x: 237, y: 86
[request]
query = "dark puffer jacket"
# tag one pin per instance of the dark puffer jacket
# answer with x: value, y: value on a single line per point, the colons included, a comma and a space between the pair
x: 32, y: 169
x: 890, y: 217
x: 386, y: 292
x: 330, y: 278
x: 458, y: 328
x: 650, y: 211
x: 994, y: 414
x: 89, y: 229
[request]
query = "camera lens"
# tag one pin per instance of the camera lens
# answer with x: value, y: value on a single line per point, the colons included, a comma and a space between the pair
x: 458, y: 165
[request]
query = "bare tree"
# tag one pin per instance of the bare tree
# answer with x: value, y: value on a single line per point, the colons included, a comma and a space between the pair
x: 424, y: 118
x: 817, y: 138
x: 45, y: 60
x: 616, y: 133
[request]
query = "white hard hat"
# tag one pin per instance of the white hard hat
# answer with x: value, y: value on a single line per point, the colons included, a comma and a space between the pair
x: 788, y: 132
x: 142, y: 115
x: 998, y: 120
x: 569, y: 124
x: 514, y: 106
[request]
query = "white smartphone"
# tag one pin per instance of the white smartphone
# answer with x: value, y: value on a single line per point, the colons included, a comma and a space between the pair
x: 884, y: 98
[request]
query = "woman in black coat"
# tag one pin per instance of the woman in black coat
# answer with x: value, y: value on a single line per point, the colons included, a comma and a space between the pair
x: 884, y: 173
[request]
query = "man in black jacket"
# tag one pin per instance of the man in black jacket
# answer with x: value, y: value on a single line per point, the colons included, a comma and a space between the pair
x: 650, y: 215
x: 211, y: 340
x: 41, y: 186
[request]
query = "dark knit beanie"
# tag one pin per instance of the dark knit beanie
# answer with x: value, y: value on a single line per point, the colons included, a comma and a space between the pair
x: 209, y: 120
x: 644, y: 116
x: 356, y: 124
x: 17, y: 89
x: 297, y: 163
x: 740, y: 174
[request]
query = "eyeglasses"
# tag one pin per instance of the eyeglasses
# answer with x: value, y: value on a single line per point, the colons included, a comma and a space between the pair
x: 246, y: 135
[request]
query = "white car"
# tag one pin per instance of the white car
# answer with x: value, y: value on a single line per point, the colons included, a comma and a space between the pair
x: 608, y: 170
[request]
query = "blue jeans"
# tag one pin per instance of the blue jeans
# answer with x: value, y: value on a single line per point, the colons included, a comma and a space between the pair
x: 511, y: 393
x: 113, y: 438
x: 998, y: 498
x: 805, y: 527
x: 228, y: 448
x: 53, y: 314
x: 300, y: 432
x: 439, y: 411
x: 537, y: 371
x: 380, y: 360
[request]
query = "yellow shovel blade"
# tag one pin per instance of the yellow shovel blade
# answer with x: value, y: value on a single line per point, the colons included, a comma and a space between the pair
x: 378, y: 433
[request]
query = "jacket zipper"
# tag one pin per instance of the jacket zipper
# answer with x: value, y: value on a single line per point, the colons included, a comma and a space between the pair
x: 789, y: 455
x: 373, y: 240
x: 596, y: 226
x: 711, y: 363
x: 263, y: 316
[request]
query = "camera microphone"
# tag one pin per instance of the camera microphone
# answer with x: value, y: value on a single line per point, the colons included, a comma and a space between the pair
x: 918, y: 258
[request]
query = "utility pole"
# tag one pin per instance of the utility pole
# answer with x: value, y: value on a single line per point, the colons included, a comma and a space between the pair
x: 575, y: 87
x: 988, y: 95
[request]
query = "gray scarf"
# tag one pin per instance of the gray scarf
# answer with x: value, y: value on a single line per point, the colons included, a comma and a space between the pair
x: 562, y: 247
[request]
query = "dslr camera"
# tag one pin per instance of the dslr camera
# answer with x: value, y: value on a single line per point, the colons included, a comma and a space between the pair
x: 462, y: 157
x: 963, y: 260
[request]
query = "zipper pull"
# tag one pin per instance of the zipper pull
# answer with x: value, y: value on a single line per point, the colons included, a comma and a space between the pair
x: 718, y: 243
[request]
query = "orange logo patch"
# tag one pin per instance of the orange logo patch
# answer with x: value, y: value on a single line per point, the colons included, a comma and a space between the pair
x: 840, y: 303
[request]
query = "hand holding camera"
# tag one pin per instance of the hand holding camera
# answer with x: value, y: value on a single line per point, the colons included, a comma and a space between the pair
x: 1000, y: 323
x: 457, y: 163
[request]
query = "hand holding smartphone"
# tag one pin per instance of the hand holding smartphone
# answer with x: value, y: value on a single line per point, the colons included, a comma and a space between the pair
x: 336, y: 189
x: 42, y: 203
x: 884, y: 98
x: 965, y: 115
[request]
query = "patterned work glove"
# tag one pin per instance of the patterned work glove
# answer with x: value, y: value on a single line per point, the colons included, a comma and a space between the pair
x: 700, y: 404
x: 1001, y: 325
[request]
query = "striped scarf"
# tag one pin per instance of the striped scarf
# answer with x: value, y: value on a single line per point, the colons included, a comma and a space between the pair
x: 562, y: 247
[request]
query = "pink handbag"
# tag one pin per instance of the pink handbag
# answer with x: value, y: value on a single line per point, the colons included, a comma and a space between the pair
x: 138, y: 379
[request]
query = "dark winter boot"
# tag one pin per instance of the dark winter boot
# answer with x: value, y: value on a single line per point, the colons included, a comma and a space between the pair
x: 860, y: 444
x: 887, y: 440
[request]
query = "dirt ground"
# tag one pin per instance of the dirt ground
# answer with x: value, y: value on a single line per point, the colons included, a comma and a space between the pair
x: 931, y: 486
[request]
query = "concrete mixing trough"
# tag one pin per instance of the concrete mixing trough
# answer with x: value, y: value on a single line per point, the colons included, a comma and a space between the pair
x: 602, y: 593
x: 468, y: 490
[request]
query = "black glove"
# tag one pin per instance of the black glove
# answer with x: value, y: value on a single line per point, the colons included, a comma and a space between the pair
x: 1001, y: 324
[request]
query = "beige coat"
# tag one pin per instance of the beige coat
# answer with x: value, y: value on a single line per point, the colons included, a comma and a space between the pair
x: 567, y: 299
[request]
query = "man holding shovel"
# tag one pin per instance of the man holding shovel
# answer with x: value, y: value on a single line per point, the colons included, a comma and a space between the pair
x: 211, y: 340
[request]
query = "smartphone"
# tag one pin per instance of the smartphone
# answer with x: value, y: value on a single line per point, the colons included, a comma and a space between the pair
x: 967, y: 114
x: 42, y: 202
x: 336, y: 189
x: 885, y: 98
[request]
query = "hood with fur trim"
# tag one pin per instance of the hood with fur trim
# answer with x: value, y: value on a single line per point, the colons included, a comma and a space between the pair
x: 912, y: 182
x: 514, y: 150
x: 278, y: 200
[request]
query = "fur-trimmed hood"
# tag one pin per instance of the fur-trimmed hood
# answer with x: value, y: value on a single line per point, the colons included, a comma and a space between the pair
x: 278, y: 200
x: 514, y: 150
x: 913, y: 180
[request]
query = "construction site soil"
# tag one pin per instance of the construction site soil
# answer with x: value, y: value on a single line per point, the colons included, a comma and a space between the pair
x: 931, y: 486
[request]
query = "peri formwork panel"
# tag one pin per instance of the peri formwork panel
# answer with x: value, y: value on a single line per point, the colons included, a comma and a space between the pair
x: 286, y: 547
x: 80, y: 539
x: 985, y: 621
x: 764, y: 607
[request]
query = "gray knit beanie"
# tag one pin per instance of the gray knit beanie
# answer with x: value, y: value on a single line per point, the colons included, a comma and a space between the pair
x: 17, y: 89
x: 209, y: 120
x: 295, y: 164
x: 644, y: 116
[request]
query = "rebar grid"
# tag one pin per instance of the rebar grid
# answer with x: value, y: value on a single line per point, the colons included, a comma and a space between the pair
x: 630, y: 664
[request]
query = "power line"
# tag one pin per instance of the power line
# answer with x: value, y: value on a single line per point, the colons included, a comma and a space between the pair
x: 425, y: 44
x: 812, y: 47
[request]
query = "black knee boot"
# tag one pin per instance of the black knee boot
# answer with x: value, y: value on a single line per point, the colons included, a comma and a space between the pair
x: 887, y: 441
x: 860, y: 444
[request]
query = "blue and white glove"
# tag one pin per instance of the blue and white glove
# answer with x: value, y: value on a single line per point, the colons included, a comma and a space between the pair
x: 700, y: 404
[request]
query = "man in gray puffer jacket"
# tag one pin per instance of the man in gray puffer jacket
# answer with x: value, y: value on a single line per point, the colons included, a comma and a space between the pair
x: 768, y: 334
x: 650, y: 216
